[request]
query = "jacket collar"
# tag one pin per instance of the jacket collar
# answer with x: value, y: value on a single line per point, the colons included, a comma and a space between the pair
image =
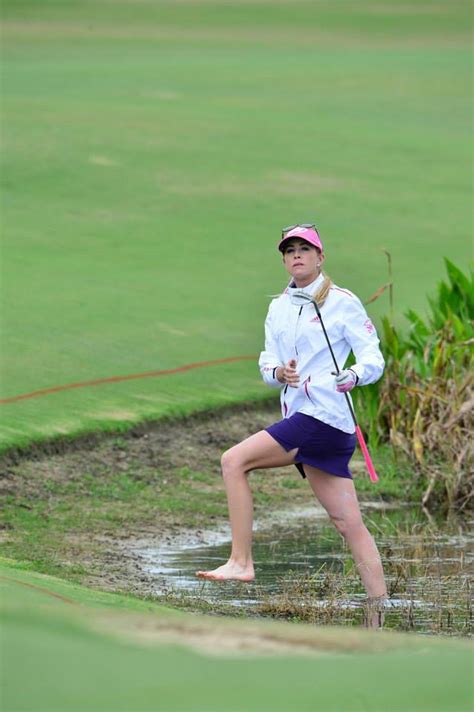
x: 310, y: 289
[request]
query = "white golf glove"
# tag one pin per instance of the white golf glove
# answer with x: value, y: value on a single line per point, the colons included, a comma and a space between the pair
x: 345, y: 380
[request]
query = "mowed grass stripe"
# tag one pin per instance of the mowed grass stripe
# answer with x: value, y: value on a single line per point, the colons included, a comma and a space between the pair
x: 372, y: 20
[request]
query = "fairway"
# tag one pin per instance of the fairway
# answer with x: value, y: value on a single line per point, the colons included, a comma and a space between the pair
x: 81, y: 649
x: 153, y: 150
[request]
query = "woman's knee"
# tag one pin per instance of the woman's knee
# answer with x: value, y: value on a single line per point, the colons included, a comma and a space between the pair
x: 231, y: 462
x: 348, y: 524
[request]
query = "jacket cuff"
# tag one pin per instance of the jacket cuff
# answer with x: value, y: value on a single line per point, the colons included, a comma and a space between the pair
x: 358, y: 369
x: 269, y: 376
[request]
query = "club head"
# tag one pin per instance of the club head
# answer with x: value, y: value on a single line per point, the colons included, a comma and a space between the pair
x: 299, y: 298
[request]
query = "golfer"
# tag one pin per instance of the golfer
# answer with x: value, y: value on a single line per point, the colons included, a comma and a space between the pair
x: 317, y: 431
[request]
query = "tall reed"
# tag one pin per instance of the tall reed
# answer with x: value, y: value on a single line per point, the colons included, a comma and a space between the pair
x: 424, y: 404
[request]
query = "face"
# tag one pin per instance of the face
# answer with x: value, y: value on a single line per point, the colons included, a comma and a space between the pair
x: 302, y: 261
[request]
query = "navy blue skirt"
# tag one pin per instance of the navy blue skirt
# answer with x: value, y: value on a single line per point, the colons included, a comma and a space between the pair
x: 319, y: 444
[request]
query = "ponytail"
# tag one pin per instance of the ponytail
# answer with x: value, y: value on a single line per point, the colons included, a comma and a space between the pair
x: 321, y: 294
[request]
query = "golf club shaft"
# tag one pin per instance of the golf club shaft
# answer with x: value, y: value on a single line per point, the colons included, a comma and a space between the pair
x: 334, y: 360
x: 368, y: 460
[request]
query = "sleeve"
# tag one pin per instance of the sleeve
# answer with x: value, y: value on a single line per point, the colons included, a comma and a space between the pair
x: 360, y: 333
x: 269, y: 359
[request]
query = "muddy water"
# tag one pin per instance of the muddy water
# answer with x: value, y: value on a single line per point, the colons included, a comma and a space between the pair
x: 305, y: 572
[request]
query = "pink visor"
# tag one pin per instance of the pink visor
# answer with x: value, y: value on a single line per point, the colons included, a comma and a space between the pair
x: 304, y: 233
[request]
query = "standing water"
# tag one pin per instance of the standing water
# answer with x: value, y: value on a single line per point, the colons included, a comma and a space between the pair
x: 305, y: 572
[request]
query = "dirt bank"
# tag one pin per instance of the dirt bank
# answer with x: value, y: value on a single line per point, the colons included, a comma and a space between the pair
x: 82, y: 509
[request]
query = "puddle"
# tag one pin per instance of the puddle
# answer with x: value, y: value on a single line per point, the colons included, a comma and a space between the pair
x: 304, y: 570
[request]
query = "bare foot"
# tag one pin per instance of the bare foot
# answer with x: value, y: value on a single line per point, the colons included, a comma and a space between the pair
x: 230, y: 571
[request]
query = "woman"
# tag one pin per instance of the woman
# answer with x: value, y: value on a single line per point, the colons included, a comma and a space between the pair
x: 317, y: 432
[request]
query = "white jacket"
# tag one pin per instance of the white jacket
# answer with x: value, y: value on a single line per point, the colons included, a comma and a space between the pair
x: 294, y: 332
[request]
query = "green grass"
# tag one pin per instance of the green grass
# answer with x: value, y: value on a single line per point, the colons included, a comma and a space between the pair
x: 153, y: 150
x: 57, y: 526
x: 88, y: 652
x: 397, y: 477
x: 59, y: 521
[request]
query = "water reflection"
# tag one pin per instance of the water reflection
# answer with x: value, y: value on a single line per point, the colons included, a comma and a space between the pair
x: 304, y: 571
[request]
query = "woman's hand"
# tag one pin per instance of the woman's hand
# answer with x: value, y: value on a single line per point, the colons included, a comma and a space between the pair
x: 287, y: 374
x: 345, y: 380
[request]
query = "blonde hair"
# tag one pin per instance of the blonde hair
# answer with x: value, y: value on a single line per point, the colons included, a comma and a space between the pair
x: 321, y: 294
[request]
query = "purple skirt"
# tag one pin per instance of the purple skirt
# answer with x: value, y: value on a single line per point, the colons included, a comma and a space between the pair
x: 319, y: 444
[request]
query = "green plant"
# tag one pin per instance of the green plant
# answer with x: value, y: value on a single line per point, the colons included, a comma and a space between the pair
x: 425, y: 402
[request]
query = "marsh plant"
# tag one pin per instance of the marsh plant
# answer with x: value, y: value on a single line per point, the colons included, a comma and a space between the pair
x: 424, y: 404
x: 420, y: 598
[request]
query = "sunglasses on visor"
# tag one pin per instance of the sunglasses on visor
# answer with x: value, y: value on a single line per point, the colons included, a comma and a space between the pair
x: 288, y: 229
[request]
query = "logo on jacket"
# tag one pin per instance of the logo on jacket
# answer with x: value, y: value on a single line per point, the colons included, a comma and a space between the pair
x: 315, y: 319
x: 369, y: 326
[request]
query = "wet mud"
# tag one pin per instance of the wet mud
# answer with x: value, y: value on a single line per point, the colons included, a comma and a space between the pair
x: 156, y: 456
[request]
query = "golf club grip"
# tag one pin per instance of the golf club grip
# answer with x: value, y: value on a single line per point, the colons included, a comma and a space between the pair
x: 368, y: 460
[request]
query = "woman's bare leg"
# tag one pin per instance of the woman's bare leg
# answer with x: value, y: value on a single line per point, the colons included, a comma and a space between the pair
x: 339, y: 498
x: 257, y: 451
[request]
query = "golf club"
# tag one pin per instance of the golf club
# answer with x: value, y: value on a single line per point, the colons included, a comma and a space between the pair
x: 300, y: 298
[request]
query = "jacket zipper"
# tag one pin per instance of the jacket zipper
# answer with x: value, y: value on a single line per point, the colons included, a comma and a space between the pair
x: 285, y: 407
x: 308, y: 380
x: 296, y: 328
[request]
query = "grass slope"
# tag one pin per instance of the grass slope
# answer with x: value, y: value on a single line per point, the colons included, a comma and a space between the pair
x: 90, y: 650
x: 153, y: 150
